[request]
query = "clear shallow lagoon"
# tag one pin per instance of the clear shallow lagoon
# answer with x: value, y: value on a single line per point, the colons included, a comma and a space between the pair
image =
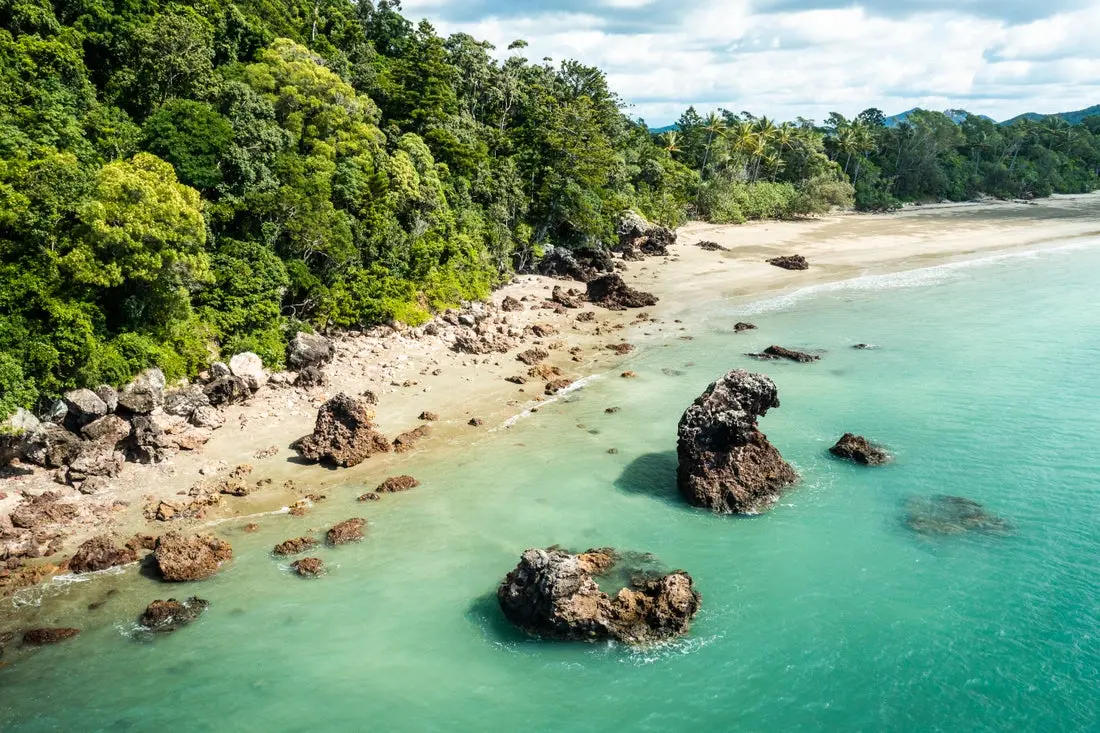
x: 825, y: 614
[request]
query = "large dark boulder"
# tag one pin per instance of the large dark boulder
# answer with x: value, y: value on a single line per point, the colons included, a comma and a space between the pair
x: 344, y: 434
x: 170, y: 615
x: 50, y: 446
x: 100, y: 553
x: 725, y: 463
x: 556, y: 595
x: 858, y: 449
x: 611, y: 292
x: 182, y: 558
x: 110, y: 430
x: 349, y: 530
x: 309, y: 349
x: 227, y: 391
x: 774, y: 353
x: 184, y: 401
x: 790, y: 262
x: 579, y: 264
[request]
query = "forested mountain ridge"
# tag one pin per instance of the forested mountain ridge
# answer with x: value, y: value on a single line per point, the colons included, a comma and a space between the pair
x: 179, y: 179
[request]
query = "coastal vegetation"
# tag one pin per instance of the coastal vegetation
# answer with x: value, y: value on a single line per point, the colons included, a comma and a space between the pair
x: 180, y: 180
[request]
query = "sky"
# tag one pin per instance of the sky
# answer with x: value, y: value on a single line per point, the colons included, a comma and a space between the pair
x: 790, y: 58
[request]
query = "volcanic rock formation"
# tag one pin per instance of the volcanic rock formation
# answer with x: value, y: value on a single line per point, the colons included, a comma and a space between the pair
x: 343, y: 434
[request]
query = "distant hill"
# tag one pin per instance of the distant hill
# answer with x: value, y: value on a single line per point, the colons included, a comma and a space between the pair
x: 666, y: 128
x: 956, y: 115
x: 1072, y: 118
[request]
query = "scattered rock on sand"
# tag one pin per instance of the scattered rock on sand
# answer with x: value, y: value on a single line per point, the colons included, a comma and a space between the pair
x: 429, y: 416
x: 310, y: 377
x: 397, y: 483
x: 43, y: 637
x: 569, y: 299
x: 860, y: 450
x: 742, y: 326
x: 555, y: 594
x: 628, y: 375
x: 346, y: 531
x: 516, y: 379
x: 945, y: 515
x: 773, y: 353
x: 100, y: 553
x: 725, y: 463
x: 611, y: 292
x: 294, y: 546
x: 369, y: 496
x: 621, y: 349
x: 533, y: 355
x: 344, y: 434
x: 790, y: 262
x: 309, y: 567
x: 586, y: 317
x: 557, y: 385
x: 268, y: 452
x: 309, y: 349
x: 170, y: 615
x: 510, y: 304
x: 182, y: 558
x: 476, y: 422
x: 711, y: 246
x: 407, y: 440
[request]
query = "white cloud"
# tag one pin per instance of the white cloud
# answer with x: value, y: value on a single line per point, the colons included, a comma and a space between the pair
x: 662, y: 55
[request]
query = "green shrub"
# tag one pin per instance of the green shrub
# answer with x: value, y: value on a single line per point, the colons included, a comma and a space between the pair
x: 16, y: 390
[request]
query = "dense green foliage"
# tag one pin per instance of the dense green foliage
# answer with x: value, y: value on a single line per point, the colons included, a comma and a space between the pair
x: 184, y: 179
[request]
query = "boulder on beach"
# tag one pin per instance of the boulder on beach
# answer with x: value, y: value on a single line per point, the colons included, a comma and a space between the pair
x: 774, y: 353
x: 145, y: 393
x: 566, y: 299
x: 555, y: 594
x: 574, y: 264
x: 725, y: 463
x: 310, y: 377
x: 100, y: 553
x: 941, y: 514
x: 170, y: 615
x: 294, y: 546
x: 309, y: 349
x: 612, y: 292
x: 636, y: 234
x: 346, y: 531
x: 510, y: 304
x: 82, y: 407
x: 182, y: 558
x: 790, y: 262
x: 858, y: 449
x: 533, y: 355
x: 109, y: 429
x: 407, y: 440
x: 227, y: 390
x: 43, y: 637
x: 343, y: 434
x: 249, y: 368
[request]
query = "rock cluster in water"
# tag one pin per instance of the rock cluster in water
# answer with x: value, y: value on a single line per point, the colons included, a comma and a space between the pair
x: 344, y: 433
x: 858, y: 449
x: 170, y: 615
x: 182, y: 558
x: 554, y: 594
x: 725, y: 463
x: 942, y: 514
x: 774, y: 353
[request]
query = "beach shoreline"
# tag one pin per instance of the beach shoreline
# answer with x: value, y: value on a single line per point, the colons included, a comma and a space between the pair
x: 411, y: 375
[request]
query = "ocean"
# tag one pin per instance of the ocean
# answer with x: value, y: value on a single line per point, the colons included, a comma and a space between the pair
x: 826, y: 613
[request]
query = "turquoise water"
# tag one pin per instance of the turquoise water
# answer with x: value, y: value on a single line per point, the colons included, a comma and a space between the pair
x: 825, y: 614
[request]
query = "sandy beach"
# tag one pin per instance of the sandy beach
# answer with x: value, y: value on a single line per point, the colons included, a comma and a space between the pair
x: 410, y: 375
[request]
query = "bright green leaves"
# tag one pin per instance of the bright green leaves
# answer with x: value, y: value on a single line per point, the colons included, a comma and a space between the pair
x: 139, y: 225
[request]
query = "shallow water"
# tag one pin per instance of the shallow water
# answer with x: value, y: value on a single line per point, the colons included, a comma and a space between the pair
x: 827, y: 613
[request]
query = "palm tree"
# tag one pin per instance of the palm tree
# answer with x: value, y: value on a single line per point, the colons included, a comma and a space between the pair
x: 671, y: 140
x: 744, y: 142
x: 715, y: 126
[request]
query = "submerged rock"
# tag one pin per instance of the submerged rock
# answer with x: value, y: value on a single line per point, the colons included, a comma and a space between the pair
x: 941, y: 514
x: 611, y: 292
x: 790, y: 262
x: 43, y: 637
x: 860, y: 450
x: 555, y: 594
x: 742, y: 326
x: 100, y: 553
x: 346, y: 531
x: 773, y: 353
x: 294, y: 546
x: 725, y: 463
x: 182, y: 558
x: 170, y: 615
x: 397, y: 483
x: 343, y: 434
